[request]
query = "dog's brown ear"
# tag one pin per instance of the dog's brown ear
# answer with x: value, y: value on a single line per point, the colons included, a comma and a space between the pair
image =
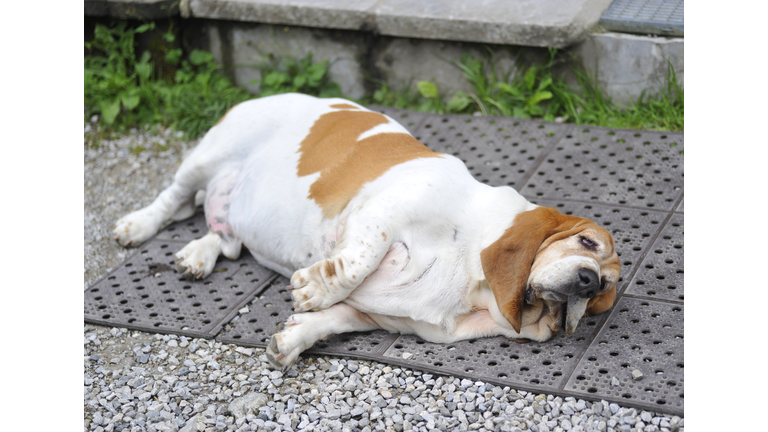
x: 507, y: 261
x: 601, y: 302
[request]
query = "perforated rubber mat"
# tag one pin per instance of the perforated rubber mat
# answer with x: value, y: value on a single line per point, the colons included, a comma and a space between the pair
x: 659, y: 17
x: 630, y: 182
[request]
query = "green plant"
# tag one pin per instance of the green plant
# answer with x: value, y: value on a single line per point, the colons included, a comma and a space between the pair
x: 536, y: 92
x: 126, y: 91
x: 662, y: 111
x: 408, y: 97
x: 117, y: 83
x: 288, y: 74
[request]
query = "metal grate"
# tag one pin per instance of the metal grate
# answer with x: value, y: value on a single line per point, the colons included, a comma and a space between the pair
x: 531, y: 366
x: 633, y: 168
x: 274, y: 306
x: 658, y: 17
x: 146, y: 293
x: 186, y: 230
x: 497, y: 151
x: 661, y: 276
x: 630, y: 182
x: 642, y: 335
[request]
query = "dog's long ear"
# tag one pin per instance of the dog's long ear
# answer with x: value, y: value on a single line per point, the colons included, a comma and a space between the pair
x: 601, y: 302
x: 507, y: 261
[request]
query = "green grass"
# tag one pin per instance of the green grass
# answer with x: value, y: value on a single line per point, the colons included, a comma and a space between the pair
x: 536, y: 92
x: 188, y: 91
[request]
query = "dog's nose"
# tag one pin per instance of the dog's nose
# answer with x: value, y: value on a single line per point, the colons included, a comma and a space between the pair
x: 588, y: 283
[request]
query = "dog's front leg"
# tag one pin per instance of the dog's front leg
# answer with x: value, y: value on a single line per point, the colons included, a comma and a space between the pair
x: 361, y: 248
x: 302, y: 330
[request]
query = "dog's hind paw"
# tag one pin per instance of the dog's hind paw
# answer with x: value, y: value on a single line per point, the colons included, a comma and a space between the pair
x: 198, y: 258
x: 134, y: 228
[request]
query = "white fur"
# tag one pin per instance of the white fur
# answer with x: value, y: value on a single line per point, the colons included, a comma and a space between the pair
x: 409, y: 242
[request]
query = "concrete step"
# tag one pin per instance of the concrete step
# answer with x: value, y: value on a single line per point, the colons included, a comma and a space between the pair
x: 540, y: 23
x: 397, y: 41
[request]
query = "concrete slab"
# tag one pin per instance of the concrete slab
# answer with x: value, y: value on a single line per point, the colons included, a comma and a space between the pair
x: 338, y: 14
x: 545, y: 23
x: 628, y: 64
x: 248, y: 45
x: 147, y: 9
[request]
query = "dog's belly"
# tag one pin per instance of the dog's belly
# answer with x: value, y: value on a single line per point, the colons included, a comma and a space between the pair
x: 270, y: 213
x: 412, y: 285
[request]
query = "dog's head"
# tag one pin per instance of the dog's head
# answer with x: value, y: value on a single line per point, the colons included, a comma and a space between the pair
x: 564, y: 266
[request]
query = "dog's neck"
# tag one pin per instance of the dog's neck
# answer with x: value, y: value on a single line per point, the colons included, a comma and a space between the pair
x: 495, y: 208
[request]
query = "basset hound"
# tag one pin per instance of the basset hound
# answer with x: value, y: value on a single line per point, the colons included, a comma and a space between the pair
x: 376, y: 231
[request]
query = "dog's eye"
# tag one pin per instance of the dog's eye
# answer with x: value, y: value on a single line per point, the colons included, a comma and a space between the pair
x: 588, y: 243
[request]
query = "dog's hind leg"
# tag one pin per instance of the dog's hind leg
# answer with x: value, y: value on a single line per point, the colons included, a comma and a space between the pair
x: 136, y: 227
x: 177, y: 202
x: 198, y: 258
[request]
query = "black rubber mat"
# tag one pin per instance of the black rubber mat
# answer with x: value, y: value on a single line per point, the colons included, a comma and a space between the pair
x: 630, y: 182
x: 146, y: 293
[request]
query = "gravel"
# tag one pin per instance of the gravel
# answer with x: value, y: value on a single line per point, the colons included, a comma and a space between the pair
x: 137, y: 381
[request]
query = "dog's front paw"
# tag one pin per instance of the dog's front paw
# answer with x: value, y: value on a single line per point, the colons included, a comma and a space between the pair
x: 309, y: 293
x: 134, y: 228
x: 288, y: 341
x: 317, y: 287
x: 197, y: 259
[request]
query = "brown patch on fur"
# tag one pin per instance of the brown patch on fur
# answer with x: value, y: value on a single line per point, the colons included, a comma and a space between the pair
x: 507, y: 261
x: 330, y: 269
x: 225, y: 114
x: 601, y: 302
x: 344, y: 106
x: 346, y: 164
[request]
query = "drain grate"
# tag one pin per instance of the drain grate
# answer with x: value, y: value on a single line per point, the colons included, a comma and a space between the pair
x: 497, y: 151
x: 642, y: 335
x: 186, y: 230
x: 146, y: 293
x: 659, y: 17
x: 274, y: 306
x: 641, y: 169
x: 531, y: 366
x: 630, y: 182
x: 661, y: 274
